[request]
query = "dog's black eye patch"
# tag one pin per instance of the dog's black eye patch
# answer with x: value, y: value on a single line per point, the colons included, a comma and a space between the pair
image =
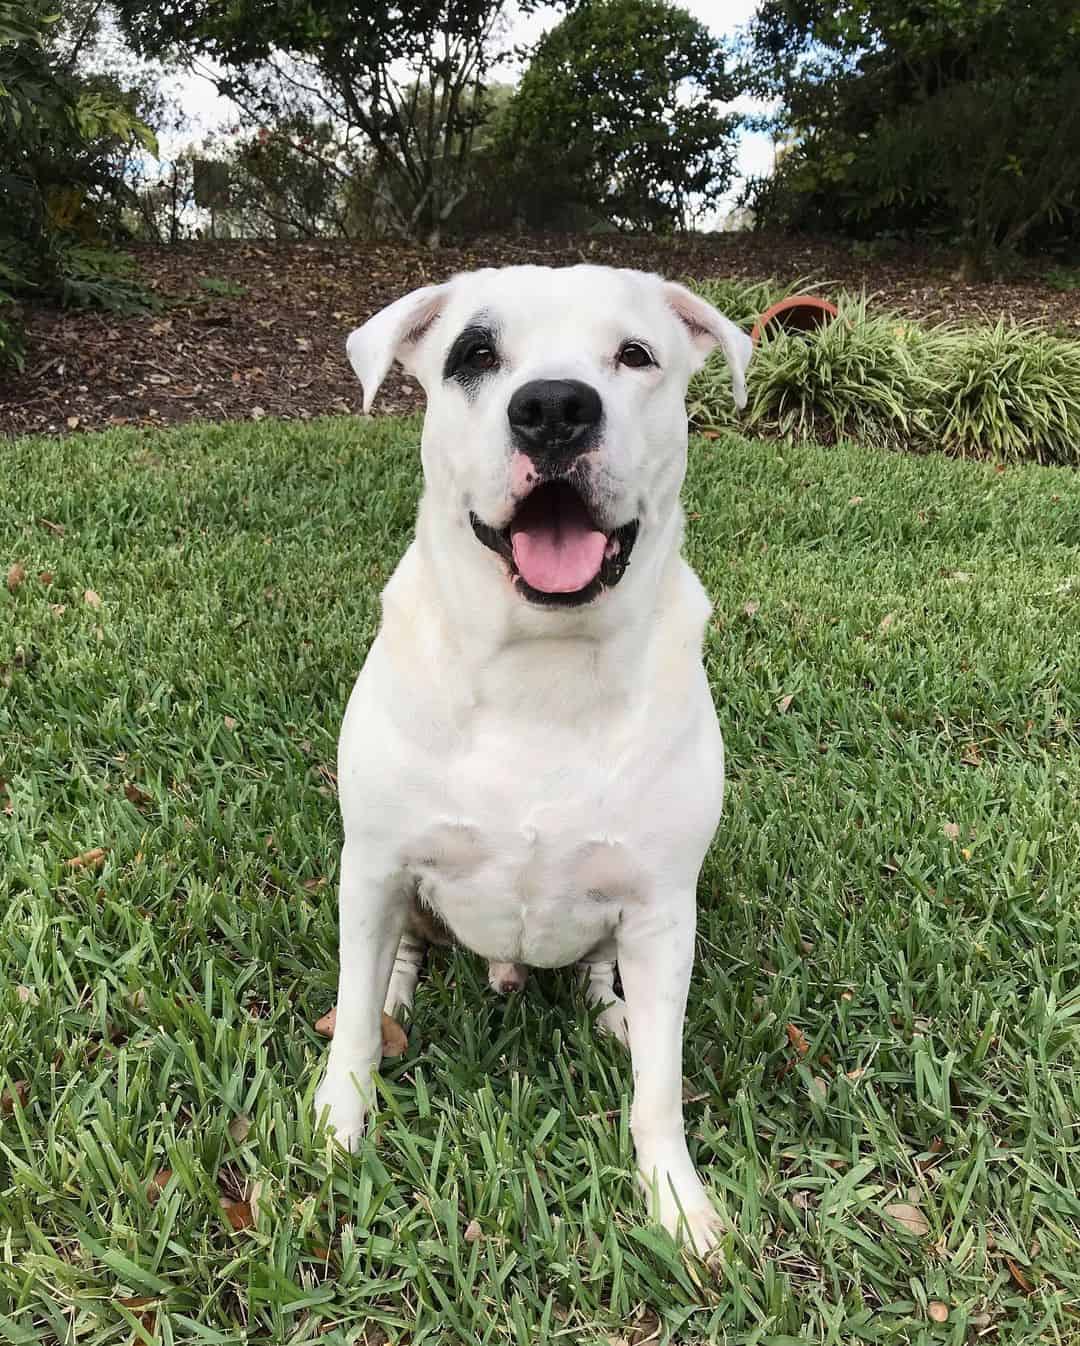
x: 473, y: 354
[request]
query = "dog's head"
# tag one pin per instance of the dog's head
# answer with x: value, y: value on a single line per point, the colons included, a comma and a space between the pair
x: 555, y: 432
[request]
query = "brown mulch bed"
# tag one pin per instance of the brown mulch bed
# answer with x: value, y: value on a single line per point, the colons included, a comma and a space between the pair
x: 277, y: 347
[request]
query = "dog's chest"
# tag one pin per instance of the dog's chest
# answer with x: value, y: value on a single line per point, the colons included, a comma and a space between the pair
x: 527, y: 859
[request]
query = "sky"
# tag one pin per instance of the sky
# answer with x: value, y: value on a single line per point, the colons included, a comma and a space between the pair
x: 207, y: 111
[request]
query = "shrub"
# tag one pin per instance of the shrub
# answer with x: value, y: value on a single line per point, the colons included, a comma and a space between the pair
x: 62, y: 139
x: 11, y: 333
x: 1011, y: 391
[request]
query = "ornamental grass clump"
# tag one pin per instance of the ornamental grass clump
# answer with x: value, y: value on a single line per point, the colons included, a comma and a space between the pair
x: 1006, y: 392
x: 1011, y: 392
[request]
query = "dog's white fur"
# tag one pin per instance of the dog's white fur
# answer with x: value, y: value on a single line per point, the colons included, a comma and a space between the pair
x: 548, y: 779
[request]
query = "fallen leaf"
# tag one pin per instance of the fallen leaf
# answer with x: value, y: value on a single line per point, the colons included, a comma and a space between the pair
x: 239, y: 1128
x: 313, y: 885
x: 91, y: 859
x: 15, y: 576
x: 325, y: 1025
x: 257, y: 413
x: 238, y: 1213
x: 55, y: 528
x: 58, y: 609
x: 952, y: 831
x: 135, y: 796
x: 92, y: 599
x: 1019, y: 1277
x: 910, y: 1218
x: 138, y: 1301
x: 395, y: 1041
x: 971, y: 756
x: 784, y: 704
x: 938, y: 1311
x: 887, y: 621
x: 472, y: 1231
x: 856, y: 500
x: 73, y: 422
x: 26, y: 995
x: 752, y: 607
x: 46, y: 577
x: 230, y: 723
x: 157, y: 1185
x: 819, y: 1089
x: 855, y: 1074
x: 20, y: 1091
x: 797, y: 1038
x: 254, y: 1197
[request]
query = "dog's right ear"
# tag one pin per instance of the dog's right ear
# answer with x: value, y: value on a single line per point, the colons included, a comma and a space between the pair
x: 393, y: 334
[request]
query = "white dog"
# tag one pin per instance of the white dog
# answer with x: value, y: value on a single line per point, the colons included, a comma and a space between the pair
x: 530, y: 759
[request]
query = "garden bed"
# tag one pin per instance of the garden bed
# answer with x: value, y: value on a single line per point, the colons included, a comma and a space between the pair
x: 254, y: 329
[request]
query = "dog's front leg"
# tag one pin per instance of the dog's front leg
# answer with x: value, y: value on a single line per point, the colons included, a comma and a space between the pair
x: 656, y: 955
x: 372, y: 911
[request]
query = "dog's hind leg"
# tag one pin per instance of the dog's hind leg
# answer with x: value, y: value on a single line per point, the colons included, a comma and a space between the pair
x: 408, y: 961
x: 596, y: 976
x: 422, y: 928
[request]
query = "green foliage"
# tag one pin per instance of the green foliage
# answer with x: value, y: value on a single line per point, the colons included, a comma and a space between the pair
x: 616, y: 115
x: 1064, y: 278
x: 1009, y: 392
x: 893, y: 648
x: 409, y: 78
x: 60, y: 138
x: 221, y: 288
x: 923, y: 119
x: 12, y: 337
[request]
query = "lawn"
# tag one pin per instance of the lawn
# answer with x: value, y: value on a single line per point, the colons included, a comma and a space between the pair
x: 886, y: 1007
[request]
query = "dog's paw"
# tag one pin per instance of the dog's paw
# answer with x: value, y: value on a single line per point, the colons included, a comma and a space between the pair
x: 699, y: 1227
x: 679, y: 1201
x: 347, y: 1109
x: 612, y: 1020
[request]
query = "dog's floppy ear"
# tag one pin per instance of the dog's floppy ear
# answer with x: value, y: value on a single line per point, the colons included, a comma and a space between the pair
x: 708, y: 328
x: 393, y: 334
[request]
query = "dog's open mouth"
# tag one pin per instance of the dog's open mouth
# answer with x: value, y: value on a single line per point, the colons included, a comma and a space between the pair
x: 556, y: 551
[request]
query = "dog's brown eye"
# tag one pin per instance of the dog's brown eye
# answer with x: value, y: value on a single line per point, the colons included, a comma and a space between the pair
x: 635, y: 356
x: 481, y: 358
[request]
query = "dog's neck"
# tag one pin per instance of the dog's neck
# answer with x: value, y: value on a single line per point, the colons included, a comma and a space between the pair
x: 482, y: 642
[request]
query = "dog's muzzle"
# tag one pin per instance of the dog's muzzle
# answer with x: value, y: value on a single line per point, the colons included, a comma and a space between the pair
x: 557, y: 551
x: 555, y: 420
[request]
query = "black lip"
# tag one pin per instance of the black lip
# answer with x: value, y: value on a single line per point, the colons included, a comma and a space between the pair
x: 611, y: 571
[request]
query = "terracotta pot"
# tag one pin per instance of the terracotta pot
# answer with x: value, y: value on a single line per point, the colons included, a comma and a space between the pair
x: 797, y: 313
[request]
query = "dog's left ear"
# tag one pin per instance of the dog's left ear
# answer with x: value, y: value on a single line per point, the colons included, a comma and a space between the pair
x: 709, y: 328
x: 393, y: 334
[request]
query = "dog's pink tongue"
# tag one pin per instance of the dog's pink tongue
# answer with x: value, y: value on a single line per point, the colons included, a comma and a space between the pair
x: 556, y: 548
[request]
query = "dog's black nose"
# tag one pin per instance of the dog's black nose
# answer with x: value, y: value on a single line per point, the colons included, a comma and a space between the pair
x: 554, y: 417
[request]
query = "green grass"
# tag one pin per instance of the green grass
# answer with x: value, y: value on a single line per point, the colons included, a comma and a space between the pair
x: 896, y: 876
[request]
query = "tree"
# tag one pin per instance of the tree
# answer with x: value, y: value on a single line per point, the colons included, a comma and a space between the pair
x: 922, y: 116
x: 64, y: 140
x: 409, y: 77
x: 617, y: 113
